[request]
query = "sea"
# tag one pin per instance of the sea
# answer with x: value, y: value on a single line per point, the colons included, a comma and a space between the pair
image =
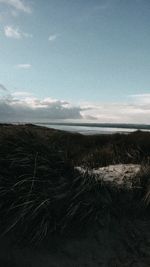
x: 89, y: 130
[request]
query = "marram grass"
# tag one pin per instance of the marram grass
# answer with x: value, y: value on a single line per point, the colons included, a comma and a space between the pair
x: 42, y: 194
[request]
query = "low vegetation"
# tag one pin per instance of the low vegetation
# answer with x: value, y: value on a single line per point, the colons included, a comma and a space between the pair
x: 41, y: 193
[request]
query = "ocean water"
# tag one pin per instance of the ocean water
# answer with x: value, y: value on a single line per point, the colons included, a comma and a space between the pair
x: 89, y: 130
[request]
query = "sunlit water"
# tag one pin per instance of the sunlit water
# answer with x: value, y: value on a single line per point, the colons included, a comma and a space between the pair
x: 89, y: 130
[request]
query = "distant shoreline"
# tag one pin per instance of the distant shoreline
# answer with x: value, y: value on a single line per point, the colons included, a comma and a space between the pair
x: 99, y: 125
x: 88, y: 128
x: 85, y: 130
x: 93, y: 129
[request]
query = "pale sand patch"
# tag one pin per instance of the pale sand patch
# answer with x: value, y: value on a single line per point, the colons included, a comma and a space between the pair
x: 118, y: 174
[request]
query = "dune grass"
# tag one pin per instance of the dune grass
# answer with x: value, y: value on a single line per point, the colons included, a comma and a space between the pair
x: 42, y: 194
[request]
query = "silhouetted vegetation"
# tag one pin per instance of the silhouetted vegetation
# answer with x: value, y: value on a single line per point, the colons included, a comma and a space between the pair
x: 41, y: 193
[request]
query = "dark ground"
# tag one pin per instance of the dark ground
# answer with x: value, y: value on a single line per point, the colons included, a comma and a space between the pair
x: 51, y: 215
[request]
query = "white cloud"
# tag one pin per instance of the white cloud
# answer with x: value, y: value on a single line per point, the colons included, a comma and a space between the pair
x: 117, y: 113
x: 18, y: 5
x: 23, y: 106
x: 24, y: 66
x: 11, y: 32
x: 141, y: 98
x: 21, y: 94
x: 53, y: 37
x: 15, y: 33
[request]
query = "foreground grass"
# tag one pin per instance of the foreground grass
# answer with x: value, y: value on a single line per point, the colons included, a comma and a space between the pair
x: 42, y: 194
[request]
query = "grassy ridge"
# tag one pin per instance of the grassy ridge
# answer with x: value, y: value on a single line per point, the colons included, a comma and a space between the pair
x: 41, y: 193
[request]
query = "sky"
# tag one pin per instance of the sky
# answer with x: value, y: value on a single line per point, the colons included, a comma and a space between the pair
x: 75, y: 60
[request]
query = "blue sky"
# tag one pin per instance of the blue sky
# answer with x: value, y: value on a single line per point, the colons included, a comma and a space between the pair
x: 92, y: 55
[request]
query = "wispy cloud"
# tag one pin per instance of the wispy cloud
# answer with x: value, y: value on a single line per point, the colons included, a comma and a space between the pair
x: 141, y: 98
x: 3, y: 88
x: 53, y: 37
x: 24, y: 66
x: 18, y: 5
x: 21, y: 94
x: 15, y: 33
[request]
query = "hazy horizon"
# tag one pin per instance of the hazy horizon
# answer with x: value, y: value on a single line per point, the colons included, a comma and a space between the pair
x: 75, y: 61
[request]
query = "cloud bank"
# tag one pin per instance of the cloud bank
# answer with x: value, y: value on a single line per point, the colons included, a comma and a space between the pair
x: 24, y: 107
